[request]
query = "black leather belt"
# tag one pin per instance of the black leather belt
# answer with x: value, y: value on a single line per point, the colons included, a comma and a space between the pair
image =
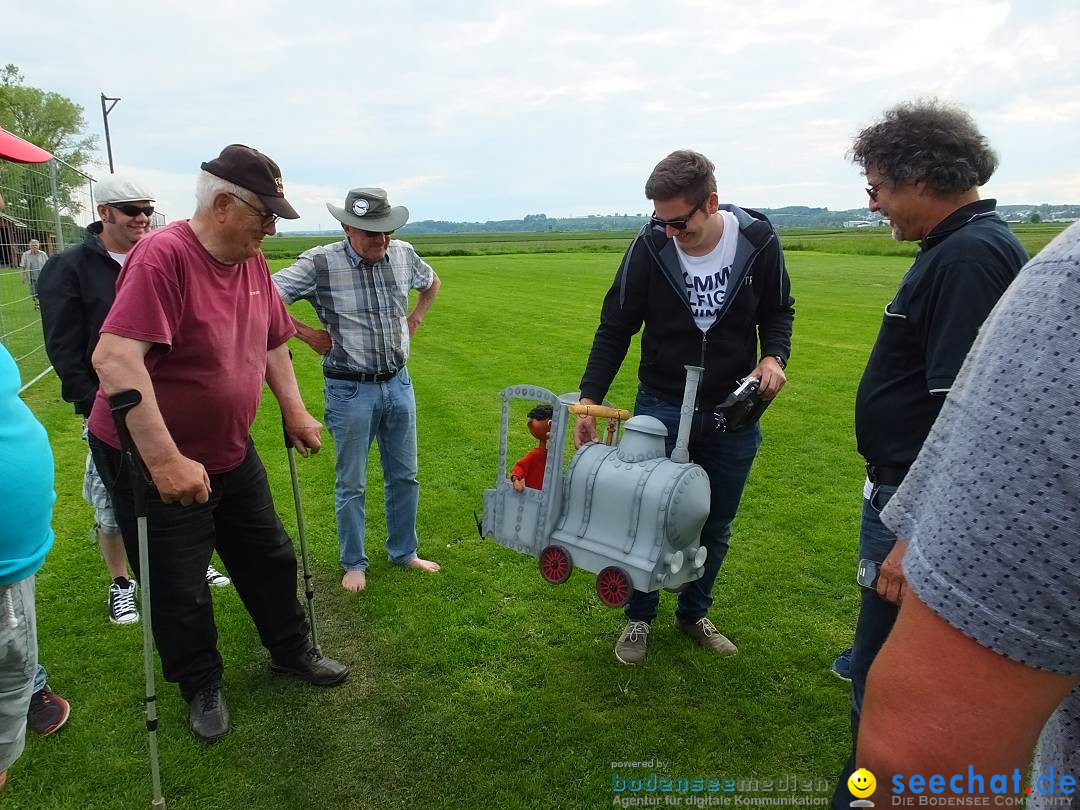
x: 887, y: 476
x: 359, y: 376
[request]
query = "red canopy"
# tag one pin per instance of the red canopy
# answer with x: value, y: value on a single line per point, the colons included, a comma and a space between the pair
x: 15, y: 148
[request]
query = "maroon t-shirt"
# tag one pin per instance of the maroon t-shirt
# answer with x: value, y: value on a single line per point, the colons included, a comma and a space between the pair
x: 211, y: 325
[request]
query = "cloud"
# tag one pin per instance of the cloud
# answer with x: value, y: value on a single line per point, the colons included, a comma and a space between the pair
x: 494, y: 110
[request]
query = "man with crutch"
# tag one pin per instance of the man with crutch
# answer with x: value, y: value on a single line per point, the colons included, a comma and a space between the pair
x: 196, y: 329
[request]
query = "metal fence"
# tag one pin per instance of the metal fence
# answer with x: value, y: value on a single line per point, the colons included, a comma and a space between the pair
x: 50, y: 204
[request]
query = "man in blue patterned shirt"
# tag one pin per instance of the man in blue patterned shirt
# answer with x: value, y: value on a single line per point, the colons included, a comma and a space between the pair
x: 359, y: 288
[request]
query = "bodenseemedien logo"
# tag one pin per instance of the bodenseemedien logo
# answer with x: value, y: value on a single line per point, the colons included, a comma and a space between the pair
x: 861, y: 784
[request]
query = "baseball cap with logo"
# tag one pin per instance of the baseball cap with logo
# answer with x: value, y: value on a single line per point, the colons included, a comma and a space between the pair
x: 251, y: 169
x: 115, y: 188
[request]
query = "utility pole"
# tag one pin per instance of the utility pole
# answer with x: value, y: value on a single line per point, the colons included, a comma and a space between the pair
x: 105, y: 116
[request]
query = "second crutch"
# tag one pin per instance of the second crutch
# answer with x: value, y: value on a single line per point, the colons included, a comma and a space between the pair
x: 120, y: 404
x: 309, y: 588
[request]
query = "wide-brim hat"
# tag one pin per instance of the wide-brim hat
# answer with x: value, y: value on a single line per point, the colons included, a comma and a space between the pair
x: 369, y: 210
x: 251, y: 169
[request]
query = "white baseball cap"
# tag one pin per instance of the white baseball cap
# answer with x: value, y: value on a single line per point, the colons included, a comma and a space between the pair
x: 116, y: 189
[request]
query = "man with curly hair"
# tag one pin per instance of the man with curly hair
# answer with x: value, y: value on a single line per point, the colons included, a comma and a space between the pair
x: 924, y: 162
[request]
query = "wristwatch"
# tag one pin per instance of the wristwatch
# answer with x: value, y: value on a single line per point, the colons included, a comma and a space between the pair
x: 780, y: 360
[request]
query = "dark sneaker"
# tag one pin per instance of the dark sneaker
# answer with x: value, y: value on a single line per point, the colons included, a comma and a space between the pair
x: 704, y: 633
x: 313, y: 668
x: 841, y: 667
x: 630, y: 648
x: 208, y: 715
x: 122, y: 608
x: 47, y: 713
x: 216, y: 578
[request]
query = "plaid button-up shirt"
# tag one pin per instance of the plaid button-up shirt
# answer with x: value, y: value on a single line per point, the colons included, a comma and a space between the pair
x: 363, y: 306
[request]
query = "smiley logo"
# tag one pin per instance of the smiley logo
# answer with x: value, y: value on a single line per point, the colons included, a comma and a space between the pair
x: 861, y: 783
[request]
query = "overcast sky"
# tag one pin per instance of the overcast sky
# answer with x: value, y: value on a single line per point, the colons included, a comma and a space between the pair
x: 493, y: 110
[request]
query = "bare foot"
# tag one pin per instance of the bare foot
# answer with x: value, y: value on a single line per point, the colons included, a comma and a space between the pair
x: 354, y: 581
x: 423, y: 565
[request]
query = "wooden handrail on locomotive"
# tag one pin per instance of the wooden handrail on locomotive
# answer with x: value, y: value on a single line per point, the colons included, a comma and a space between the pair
x: 613, y: 415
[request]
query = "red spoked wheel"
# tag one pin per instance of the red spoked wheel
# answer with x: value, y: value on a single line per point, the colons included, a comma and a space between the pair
x: 556, y: 565
x: 613, y: 586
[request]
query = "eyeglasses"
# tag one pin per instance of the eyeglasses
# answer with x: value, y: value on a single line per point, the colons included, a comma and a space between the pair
x: 267, y: 217
x: 872, y: 191
x: 373, y: 234
x: 133, y: 210
x: 680, y: 224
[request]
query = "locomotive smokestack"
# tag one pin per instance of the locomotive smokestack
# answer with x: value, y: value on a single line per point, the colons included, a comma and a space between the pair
x: 681, y: 453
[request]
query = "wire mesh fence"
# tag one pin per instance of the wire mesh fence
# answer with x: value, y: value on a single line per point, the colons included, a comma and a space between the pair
x: 46, y: 207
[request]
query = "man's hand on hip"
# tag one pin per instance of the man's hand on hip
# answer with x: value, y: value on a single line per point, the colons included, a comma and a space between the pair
x: 181, y: 480
x: 304, y: 431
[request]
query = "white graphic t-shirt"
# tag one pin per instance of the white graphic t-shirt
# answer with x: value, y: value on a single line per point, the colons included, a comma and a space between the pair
x: 708, y: 277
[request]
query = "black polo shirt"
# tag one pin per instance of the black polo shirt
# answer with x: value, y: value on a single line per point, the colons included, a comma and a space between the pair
x: 963, y: 266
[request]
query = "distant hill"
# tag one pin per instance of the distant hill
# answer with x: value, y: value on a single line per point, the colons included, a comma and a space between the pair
x: 792, y: 216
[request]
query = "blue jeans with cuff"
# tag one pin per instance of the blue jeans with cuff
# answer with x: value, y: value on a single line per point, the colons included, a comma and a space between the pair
x: 358, y: 414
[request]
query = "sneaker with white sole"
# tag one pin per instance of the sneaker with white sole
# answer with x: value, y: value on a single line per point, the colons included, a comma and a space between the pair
x: 841, y: 667
x: 630, y: 648
x: 122, y: 609
x: 216, y: 578
x: 705, y: 633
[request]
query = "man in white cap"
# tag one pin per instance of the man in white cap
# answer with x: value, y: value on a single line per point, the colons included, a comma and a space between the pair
x: 77, y: 287
x: 359, y: 288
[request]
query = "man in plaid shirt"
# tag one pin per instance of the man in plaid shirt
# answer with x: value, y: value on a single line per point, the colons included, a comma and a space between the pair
x: 359, y: 288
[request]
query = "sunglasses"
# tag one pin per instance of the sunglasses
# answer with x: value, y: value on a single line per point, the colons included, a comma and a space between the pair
x: 373, y: 234
x: 872, y: 191
x: 267, y: 217
x: 680, y: 224
x: 127, y: 209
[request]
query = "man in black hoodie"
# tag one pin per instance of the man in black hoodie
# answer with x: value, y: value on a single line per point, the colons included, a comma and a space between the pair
x: 708, y: 283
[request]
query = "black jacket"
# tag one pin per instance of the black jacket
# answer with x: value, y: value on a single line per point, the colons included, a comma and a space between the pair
x: 964, y: 266
x: 649, y: 289
x: 76, y: 289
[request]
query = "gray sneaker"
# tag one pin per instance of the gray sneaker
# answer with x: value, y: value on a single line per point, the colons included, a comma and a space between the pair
x: 705, y: 633
x: 630, y: 648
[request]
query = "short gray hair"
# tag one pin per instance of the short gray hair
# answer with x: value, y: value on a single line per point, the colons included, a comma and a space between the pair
x: 208, y: 186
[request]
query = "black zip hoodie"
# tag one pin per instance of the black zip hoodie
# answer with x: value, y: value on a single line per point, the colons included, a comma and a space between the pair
x: 76, y: 289
x: 649, y: 289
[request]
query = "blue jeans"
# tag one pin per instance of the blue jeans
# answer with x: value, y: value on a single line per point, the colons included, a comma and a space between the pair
x: 726, y: 459
x: 358, y: 414
x: 876, y: 619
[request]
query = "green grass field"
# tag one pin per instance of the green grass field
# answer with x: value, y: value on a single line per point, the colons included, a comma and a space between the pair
x: 483, y: 686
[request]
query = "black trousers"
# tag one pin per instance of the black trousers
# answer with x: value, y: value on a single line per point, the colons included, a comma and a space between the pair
x: 240, y: 522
